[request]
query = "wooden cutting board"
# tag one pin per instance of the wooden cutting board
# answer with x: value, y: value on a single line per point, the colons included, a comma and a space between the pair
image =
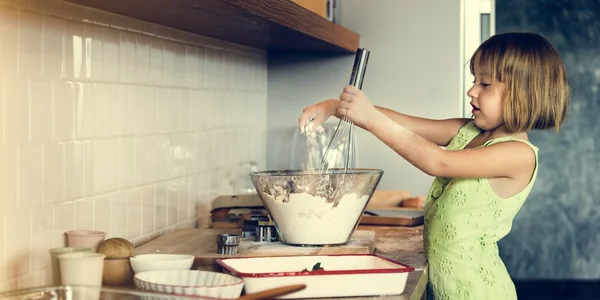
x: 202, y: 243
x: 392, y: 216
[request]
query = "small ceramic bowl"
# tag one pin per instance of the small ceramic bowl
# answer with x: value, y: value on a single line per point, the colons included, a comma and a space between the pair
x: 117, y: 271
x: 158, y: 262
x: 85, y: 238
x: 190, y: 282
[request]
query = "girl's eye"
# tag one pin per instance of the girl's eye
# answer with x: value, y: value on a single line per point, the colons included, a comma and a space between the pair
x: 485, y: 84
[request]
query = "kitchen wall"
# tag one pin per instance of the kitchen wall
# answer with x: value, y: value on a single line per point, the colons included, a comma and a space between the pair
x: 556, y: 234
x: 414, y: 68
x: 114, y: 124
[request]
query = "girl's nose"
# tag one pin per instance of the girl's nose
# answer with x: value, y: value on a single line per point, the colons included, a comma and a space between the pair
x: 472, y: 93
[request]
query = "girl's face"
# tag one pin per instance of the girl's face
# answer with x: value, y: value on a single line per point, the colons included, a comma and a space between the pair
x: 487, y: 100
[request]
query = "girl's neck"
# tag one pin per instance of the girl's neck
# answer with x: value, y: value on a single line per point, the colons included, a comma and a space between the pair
x: 502, y: 132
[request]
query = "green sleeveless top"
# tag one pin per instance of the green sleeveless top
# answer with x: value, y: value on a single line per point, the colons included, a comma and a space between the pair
x: 464, y: 220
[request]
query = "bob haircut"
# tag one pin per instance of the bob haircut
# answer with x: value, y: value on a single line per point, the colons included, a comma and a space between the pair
x: 537, y: 89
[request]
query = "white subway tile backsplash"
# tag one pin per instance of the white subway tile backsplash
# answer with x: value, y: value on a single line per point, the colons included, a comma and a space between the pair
x: 118, y: 214
x: 16, y: 106
x: 30, y: 176
x: 64, y: 111
x: 114, y: 124
x: 17, y: 248
x: 53, y: 173
x: 9, y: 35
x: 52, y: 43
x: 41, y: 111
x: 42, y: 234
x: 30, y: 44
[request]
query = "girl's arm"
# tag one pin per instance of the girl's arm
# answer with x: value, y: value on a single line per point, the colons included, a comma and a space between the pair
x: 508, y: 159
x: 440, y: 132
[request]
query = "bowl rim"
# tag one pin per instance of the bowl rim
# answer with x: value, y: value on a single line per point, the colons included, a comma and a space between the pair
x: 299, y: 172
x: 166, y: 257
x: 239, y: 281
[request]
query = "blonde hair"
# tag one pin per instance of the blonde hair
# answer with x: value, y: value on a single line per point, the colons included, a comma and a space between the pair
x: 537, y: 89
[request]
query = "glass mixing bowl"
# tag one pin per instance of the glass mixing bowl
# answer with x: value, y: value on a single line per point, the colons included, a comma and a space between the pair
x: 315, y: 209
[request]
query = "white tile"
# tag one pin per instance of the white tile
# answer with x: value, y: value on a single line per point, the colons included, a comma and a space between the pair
x: 53, y: 162
x: 110, y: 55
x: 126, y: 163
x: 196, y: 109
x: 127, y: 56
x: 84, y: 214
x: 183, y: 198
x: 142, y: 59
x: 74, y: 158
x: 194, y: 196
x: 156, y: 61
x: 88, y: 168
x: 102, y: 110
x: 118, y: 215
x: 30, y: 44
x: 94, y: 40
x: 160, y: 205
x: 179, y: 74
x: 184, y: 110
x: 134, y: 110
x: 147, y: 209
x: 74, y: 51
x: 202, y: 68
x: 134, y: 213
x: 9, y: 35
x: 172, y: 202
x: 54, y: 31
x: 168, y: 70
x: 64, y: 111
x: 191, y: 66
x: 30, y: 281
x: 17, y: 247
x: 118, y: 107
x: 166, y: 157
x: 16, y: 110
x: 41, y: 111
x: 84, y: 109
x: 47, y: 277
x: 105, y: 160
x: 148, y: 117
x: 42, y: 222
x: 64, y: 220
x: 163, y: 105
x: 30, y: 176
x: 8, y: 178
x: 9, y: 285
x: 102, y: 214
x: 3, y: 262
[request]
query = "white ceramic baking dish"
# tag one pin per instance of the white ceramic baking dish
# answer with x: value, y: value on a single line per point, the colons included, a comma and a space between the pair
x: 344, y: 275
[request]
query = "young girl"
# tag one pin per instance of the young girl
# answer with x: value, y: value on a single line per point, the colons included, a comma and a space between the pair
x: 488, y: 166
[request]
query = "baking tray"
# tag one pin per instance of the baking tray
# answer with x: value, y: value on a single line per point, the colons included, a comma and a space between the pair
x: 344, y: 275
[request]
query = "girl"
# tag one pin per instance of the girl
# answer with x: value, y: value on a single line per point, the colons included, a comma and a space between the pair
x: 488, y: 166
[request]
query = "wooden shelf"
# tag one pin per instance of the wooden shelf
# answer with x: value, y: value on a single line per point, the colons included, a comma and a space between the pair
x: 272, y: 25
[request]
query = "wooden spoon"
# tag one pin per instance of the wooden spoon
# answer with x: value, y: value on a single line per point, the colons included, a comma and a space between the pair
x: 274, y: 292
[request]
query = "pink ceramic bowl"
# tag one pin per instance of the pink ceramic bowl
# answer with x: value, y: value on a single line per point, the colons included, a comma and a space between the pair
x: 85, y: 238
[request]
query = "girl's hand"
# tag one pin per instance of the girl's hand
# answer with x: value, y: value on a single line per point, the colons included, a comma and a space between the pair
x: 316, y: 114
x: 356, y: 107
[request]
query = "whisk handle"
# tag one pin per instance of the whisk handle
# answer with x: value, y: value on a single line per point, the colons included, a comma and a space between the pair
x: 360, y: 67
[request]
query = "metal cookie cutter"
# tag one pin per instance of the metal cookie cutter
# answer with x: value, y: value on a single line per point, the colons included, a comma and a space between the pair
x: 266, y: 233
x: 228, y: 243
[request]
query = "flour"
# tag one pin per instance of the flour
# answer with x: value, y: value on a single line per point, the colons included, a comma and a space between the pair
x: 311, y: 220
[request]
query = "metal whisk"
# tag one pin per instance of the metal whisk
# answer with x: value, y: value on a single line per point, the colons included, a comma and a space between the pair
x: 341, y: 144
